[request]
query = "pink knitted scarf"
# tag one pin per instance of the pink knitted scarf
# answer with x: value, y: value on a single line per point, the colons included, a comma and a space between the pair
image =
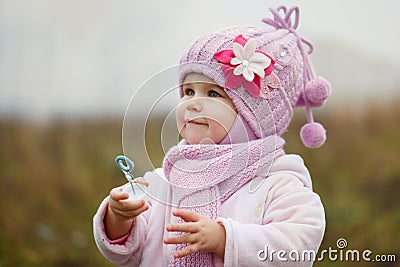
x: 203, y: 176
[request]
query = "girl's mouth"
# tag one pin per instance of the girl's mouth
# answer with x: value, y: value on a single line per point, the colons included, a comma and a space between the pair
x: 196, y: 121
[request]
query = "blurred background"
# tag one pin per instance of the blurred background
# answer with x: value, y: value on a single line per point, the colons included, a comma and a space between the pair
x: 69, y: 68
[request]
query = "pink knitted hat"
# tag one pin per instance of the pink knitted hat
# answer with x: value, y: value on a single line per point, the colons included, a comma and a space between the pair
x: 266, y: 71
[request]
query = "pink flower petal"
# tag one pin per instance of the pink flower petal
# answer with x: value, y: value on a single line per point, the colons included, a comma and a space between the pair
x: 224, y: 56
x: 257, y: 81
x: 232, y: 81
x: 240, y: 40
x: 272, y: 81
x: 252, y: 88
x: 269, y: 70
x: 264, y: 92
x: 226, y: 68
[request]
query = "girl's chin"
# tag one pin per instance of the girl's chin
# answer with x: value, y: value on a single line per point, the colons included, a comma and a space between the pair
x: 195, y: 135
x: 207, y: 141
x: 198, y: 140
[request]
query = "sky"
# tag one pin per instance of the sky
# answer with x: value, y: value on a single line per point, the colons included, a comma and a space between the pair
x: 88, y: 58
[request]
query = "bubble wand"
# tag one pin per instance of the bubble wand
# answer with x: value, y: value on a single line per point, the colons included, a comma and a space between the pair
x: 126, y: 169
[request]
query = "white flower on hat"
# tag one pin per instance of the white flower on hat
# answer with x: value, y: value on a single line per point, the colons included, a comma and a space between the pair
x: 248, y: 61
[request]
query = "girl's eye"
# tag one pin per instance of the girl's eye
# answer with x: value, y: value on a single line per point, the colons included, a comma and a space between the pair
x: 189, y: 92
x: 213, y: 93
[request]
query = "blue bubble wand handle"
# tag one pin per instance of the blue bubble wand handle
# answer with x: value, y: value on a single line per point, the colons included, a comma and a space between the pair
x: 126, y: 168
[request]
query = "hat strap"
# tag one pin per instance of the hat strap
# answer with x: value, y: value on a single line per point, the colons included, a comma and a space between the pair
x: 287, y: 22
x: 312, y: 134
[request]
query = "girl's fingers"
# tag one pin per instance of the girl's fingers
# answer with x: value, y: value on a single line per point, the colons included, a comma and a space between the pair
x: 183, y: 227
x: 130, y: 213
x: 181, y: 239
x: 186, y: 251
x: 136, y: 212
x: 125, y: 204
x: 142, y: 181
x: 187, y: 215
x: 130, y: 205
x: 117, y: 194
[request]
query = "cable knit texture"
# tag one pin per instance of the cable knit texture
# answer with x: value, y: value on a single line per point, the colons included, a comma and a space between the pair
x: 293, y: 67
x: 223, y: 170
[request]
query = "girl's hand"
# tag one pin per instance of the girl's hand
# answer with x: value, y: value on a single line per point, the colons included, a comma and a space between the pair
x: 202, y: 234
x: 121, y: 211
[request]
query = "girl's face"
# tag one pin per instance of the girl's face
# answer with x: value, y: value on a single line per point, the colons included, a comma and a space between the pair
x: 205, y: 113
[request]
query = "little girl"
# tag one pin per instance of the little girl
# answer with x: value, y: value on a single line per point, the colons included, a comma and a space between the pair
x: 227, y: 194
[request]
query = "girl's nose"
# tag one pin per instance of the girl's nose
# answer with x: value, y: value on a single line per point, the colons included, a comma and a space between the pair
x: 194, y: 105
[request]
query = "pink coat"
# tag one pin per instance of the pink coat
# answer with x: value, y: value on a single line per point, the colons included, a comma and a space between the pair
x: 273, y: 221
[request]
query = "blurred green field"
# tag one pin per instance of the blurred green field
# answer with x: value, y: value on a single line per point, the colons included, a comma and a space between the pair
x: 54, y: 175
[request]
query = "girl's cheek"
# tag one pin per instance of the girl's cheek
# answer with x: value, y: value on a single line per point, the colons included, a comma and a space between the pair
x: 221, y: 113
x: 180, y: 123
x: 180, y: 113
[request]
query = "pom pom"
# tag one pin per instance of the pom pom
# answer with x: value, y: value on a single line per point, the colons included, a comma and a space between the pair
x: 313, y: 135
x: 317, y: 91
